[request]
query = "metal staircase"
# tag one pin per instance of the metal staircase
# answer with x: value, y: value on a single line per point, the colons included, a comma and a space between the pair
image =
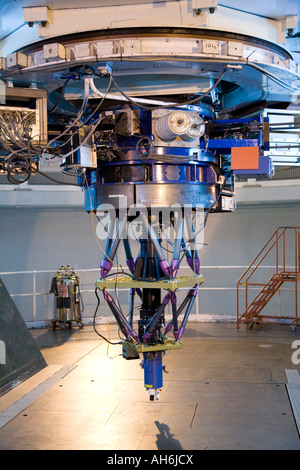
x: 284, y: 244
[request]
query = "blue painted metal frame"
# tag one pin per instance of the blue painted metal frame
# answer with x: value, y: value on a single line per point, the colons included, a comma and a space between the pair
x: 214, y: 143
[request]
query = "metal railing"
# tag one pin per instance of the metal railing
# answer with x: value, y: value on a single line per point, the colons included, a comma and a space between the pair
x: 35, y: 293
x: 38, y: 285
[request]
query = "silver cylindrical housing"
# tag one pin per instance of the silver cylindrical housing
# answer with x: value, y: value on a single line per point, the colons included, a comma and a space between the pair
x: 196, y: 129
x: 172, y: 125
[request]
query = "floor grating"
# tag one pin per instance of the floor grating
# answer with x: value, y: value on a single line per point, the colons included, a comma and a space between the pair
x: 20, y: 405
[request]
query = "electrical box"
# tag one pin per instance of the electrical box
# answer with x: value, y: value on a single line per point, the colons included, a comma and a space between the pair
x: 88, y: 157
x: 27, y: 106
x: 244, y: 158
x: 228, y: 203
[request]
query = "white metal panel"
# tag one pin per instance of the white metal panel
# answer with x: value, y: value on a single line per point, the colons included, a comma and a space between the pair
x: 267, y: 8
x: 154, y: 14
x: 11, y: 13
x: 37, y: 14
x: 170, y: 46
x: 226, y: 19
x: 56, y: 4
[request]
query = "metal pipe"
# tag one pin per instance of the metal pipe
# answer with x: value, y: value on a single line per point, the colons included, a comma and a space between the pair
x: 129, y: 257
x: 193, y: 261
x: 163, y: 262
x: 125, y: 327
x: 186, y: 250
x: 106, y: 264
x: 154, y: 320
x: 117, y: 239
x: 108, y: 261
x: 112, y: 306
x: 182, y: 306
x: 192, y: 295
x: 174, y: 310
x: 109, y: 237
x: 131, y: 306
x: 177, y: 247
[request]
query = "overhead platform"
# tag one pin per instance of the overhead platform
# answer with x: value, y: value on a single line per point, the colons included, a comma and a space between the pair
x: 20, y: 357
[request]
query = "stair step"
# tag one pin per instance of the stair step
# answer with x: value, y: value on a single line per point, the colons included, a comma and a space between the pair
x: 268, y: 289
x: 259, y: 302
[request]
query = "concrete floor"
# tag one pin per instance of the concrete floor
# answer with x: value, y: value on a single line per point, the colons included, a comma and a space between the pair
x: 225, y: 389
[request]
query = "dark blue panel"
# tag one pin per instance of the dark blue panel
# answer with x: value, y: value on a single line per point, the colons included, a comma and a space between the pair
x: 20, y: 355
x: 264, y: 169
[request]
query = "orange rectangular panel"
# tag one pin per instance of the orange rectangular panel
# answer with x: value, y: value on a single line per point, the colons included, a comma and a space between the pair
x: 244, y: 158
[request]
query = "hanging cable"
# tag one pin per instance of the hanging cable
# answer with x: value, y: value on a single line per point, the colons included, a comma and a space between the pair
x: 83, y: 123
x: 94, y: 322
x: 141, y: 103
x: 78, y: 117
x: 62, y: 92
x: 18, y: 169
x: 272, y: 77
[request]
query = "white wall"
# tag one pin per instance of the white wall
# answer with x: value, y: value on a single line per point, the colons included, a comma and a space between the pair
x: 44, y: 239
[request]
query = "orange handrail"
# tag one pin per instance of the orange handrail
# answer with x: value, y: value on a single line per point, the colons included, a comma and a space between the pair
x: 273, y: 242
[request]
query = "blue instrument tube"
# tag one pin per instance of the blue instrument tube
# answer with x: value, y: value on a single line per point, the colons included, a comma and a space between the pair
x: 153, y: 373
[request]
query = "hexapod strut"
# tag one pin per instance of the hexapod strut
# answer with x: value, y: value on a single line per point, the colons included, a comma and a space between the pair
x: 151, y: 273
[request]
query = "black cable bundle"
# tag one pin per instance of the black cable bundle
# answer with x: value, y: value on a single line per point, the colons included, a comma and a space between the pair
x: 18, y: 169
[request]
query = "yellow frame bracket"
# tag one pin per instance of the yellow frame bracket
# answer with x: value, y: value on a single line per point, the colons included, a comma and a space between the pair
x: 167, y: 345
x: 169, y: 284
